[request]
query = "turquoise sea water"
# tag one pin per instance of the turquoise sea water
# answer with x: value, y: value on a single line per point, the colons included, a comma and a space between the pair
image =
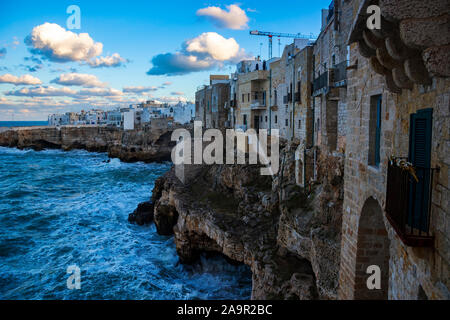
x: 22, y: 123
x: 70, y: 208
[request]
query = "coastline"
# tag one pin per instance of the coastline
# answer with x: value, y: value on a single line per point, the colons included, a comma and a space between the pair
x: 285, y: 236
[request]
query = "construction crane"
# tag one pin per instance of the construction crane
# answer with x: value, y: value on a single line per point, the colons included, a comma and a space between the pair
x: 270, y: 35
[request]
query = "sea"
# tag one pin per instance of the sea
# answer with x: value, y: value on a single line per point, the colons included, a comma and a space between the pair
x: 64, y: 234
x: 22, y: 123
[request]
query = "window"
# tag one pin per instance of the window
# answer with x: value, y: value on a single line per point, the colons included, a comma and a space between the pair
x: 243, y: 96
x: 287, y: 122
x: 375, y: 130
x: 266, y: 118
x: 245, y: 120
x: 248, y: 97
x: 276, y: 119
x: 261, y: 118
x: 299, y: 123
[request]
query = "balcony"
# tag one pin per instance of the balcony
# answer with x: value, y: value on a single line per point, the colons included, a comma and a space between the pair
x: 408, y: 204
x: 258, y: 104
x: 338, y: 74
x: 320, y: 83
x: 287, y: 98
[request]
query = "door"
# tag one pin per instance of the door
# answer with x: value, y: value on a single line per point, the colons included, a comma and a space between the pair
x: 256, y: 122
x: 420, y: 156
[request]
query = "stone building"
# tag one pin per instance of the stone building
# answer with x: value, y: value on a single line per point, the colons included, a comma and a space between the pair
x: 396, y: 215
x: 212, y: 102
x: 330, y: 77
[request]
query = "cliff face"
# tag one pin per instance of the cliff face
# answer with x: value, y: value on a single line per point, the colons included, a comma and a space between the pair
x: 289, y: 238
x: 134, y: 145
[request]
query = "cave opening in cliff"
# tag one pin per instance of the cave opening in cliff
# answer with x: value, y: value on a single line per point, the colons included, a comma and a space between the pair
x: 372, y: 250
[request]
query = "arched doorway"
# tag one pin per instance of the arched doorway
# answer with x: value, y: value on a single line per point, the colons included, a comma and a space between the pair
x: 372, y: 249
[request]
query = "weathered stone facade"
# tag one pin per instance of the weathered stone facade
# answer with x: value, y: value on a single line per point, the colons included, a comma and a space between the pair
x: 368, y: 237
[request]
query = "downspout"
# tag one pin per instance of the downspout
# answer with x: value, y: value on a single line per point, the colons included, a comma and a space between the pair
x: 293, y: 97
x: 313, y: 103
x: 270, y: 101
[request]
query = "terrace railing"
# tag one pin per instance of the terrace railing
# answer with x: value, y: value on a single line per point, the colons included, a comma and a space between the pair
x: 408, y: 204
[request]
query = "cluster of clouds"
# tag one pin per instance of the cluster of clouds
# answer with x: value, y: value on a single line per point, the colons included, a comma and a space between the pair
x: 207, y: 51
x: 79, y: 79
x: 22, y: 80
x: 53, y: 42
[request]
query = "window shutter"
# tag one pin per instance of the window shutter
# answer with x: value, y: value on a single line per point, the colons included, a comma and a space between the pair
x: 420, y: 135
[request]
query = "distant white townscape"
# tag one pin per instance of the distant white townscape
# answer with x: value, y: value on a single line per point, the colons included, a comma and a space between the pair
x: 148, y: 113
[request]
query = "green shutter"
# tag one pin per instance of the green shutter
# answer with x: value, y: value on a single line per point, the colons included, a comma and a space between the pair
x: 420, y: 135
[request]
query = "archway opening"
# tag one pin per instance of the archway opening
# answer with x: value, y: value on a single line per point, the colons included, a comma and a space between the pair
x: 372, y: 250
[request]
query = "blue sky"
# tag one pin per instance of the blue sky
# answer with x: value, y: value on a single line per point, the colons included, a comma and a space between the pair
x: 47, y: 75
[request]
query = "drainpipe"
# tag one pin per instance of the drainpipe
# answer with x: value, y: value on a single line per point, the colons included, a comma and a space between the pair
x: 313, y: 103
x: 293, y: 97
x: 270, y: 101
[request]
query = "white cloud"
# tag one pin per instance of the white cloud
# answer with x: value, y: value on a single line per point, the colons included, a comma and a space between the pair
x: 171, y: 100
x: 204, y: 52
x: 79, y: 79
x: 22, y: 80
x: 177, y: 93
x: 235, y: 18
x: 100, y: 92
x: 139, y: 89
x: 58, y: 44
x: 111, y: 61
x: 42, y: 92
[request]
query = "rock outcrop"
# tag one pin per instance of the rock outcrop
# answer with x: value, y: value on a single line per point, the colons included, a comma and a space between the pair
x: 289, y: 238
x: 143, y: 214
x: 134, y: 145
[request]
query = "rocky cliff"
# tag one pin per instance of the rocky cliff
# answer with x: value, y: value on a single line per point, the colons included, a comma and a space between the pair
x: 129, y: 146
x: 289, y: 236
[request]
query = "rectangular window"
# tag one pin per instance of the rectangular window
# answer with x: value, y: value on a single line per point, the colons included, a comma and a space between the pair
x: 375, y: 130
x: 243, y: 97
x: 299, y: 124
x: 245, y: 120
x: 276, y: 119
x: 266, y: 119
x: 286, y: 122
x: 248, y: 97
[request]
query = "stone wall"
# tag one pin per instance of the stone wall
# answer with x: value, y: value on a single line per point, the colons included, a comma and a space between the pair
x: 410, y: 269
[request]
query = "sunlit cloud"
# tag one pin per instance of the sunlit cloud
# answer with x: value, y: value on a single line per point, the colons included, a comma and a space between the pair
x: 235, y: 18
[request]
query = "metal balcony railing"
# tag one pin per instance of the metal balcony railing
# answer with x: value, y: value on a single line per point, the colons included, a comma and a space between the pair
x: 258, y: 104
x: 339, y: 72
x: 321, y: 81
x: 408, y: 204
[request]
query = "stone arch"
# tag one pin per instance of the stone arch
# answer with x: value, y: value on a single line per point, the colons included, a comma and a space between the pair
x: 372, y: 249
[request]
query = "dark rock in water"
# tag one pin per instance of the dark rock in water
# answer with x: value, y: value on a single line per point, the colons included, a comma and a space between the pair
x: 143, y: 214
x: 166, y: 219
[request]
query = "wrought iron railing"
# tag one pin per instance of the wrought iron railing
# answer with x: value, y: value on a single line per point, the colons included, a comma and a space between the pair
x: 408, y: 204
x: 321, y: 81
x: 340, y: 72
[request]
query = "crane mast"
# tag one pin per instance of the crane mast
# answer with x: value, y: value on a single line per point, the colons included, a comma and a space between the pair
x: 270, y: 36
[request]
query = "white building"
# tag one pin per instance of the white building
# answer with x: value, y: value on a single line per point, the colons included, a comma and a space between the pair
x: 183, y: 113
x: 128, y: 119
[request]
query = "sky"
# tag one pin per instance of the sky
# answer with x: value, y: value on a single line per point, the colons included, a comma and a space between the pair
x: 124, y: 52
